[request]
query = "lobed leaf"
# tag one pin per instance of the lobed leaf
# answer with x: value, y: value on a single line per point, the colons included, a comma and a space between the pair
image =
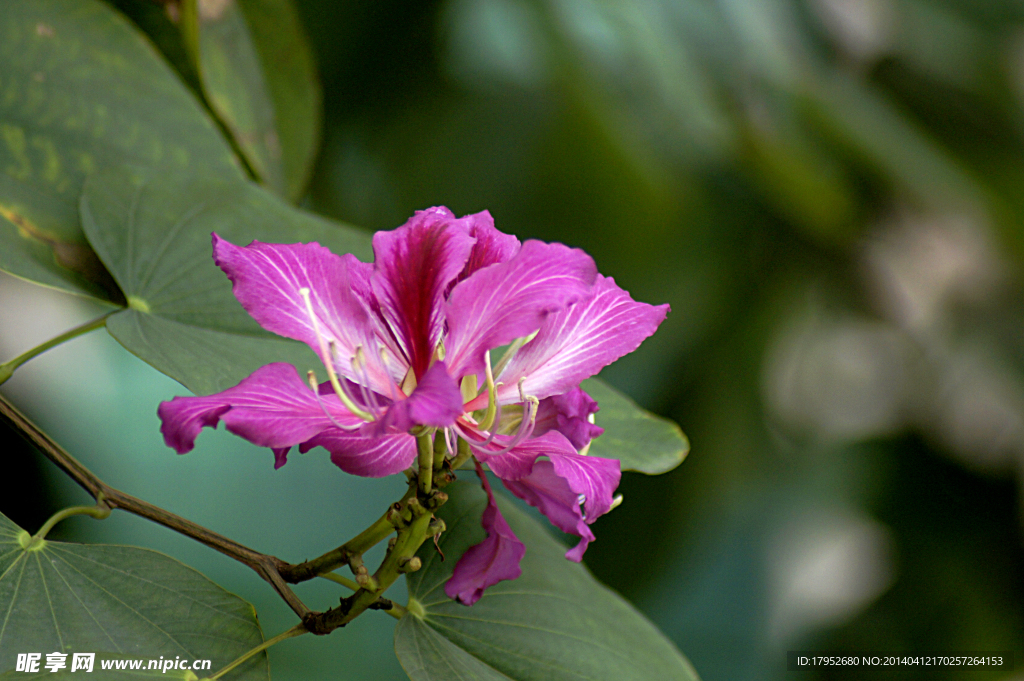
x: 292, y: 83
x: 231, y: 76
x: 640, y: 440
x: 81, y: 89
x: 153, y: 233
x: 117, y: 601
x: 555, y: 623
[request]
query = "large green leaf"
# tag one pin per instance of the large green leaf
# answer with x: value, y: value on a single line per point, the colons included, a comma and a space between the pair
x: 640, y: 440
x: 231, y: 74
x: 554, y: 623
x: 292, y: 83
x: 81, y: 89
x: 118, y: 602
x: 153, y: 234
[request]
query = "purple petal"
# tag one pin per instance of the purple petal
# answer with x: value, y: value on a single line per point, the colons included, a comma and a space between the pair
x: 491, y: 561
x: 576, y: 343
x: 270, y: 408
x: 591, y: 476
x: 518, y: 462
x: 413, y: 266
x: 280, y: 456
x: 266, y: 280
x: 505, y: 301
x: 436, y: 401
x: 491, y: 246
x: 568, y: 414
x: 550, y: 494
x: 370, y: 457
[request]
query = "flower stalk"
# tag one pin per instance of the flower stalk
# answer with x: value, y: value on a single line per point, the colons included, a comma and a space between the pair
x: 7, y: 369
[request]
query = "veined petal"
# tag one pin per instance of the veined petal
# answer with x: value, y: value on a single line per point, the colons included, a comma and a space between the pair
x: 576, y: 343
x: 568, y: 414
x: 491, y: 561
x: 436, y: 401
x: 593, y: 477
x: 413, y: 266
x: 490, y: 246
x: 518, y: 462
x: 267, y: 280
x: 505, y: 301
x: 549, y: 493
x: 270, y: 408
x: 371, y: 457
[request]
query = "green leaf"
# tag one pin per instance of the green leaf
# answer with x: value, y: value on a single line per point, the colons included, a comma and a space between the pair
x: 231, y: 74
x: 554, y: 623
x: 204, y: 361
x: 81, y: 89
x: 293, y: 85
x: 153, y: 234
x: 640, y: 440
x: 117, y: 602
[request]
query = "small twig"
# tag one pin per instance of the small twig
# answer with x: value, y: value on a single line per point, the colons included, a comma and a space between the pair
x: 413, y: 530
x: 267, y: 567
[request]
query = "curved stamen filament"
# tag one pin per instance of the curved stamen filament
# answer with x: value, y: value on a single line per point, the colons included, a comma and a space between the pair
x: 369, y: 397
x: 492, y: 395
x: 311, y: 376
x: 525, y: 430
x: 328, y: 359
x: 511, y: 352
x: 392, y: 386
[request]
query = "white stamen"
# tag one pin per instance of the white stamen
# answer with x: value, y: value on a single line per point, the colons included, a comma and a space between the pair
x: 311, y: 376
x: 327, y: 357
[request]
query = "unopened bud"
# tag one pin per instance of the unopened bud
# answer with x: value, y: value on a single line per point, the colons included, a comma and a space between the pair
x: 409, y: 564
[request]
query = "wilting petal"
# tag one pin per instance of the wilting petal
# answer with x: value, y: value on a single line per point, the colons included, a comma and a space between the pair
x: 371, y: 457
x: 413, y: 266
x: 505, y: 301
x: 280, y: 456
x: 266, y: 280
x: 490, y: 246
x: 550, y: 494
x: 576, y: 343
x: 591, y: 476
x: 271, y: 408
x: 568, y: 414
x: 436, y: 401
x: 518, y: 462
x: 493, y: 560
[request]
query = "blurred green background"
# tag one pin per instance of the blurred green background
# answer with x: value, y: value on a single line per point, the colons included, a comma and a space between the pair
x: 830, y: 194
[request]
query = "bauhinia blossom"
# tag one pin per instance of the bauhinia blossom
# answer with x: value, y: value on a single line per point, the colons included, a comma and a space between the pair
x: 406, y: 343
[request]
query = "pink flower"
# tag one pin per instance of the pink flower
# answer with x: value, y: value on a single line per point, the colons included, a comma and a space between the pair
x: 406, y: 343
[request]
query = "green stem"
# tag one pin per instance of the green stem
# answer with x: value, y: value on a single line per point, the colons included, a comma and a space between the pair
x: 396, y: 563
x: 345, y: 554
x: 463, y: 454
x: 7, y: 368
x: 99, y: 511
x: 297, y: 630
x: 440, y: 450
x: 338, y: 579
x: 426, y: 462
